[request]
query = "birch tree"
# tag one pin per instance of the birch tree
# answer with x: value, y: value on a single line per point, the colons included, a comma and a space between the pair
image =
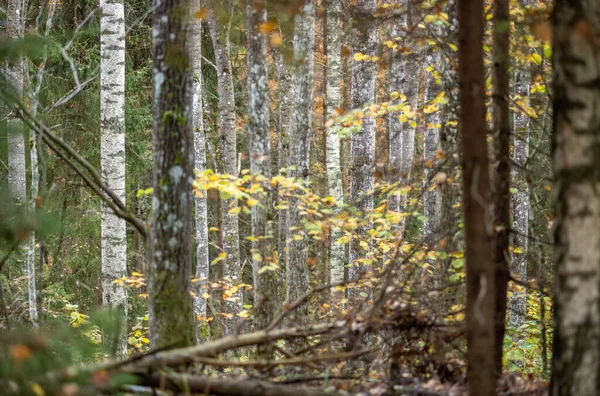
x: 576, y: 100
x: 17, y: 183
x: 284, y: 79
x: 265, y: 281
x: 112, y: 144
x: 219, y: 31
x: 520, y: 200
x: 431, y: 141
x: 202, y: 258
x: 395, y: 127
x: 362, y: 143
x: 17, y: 172
x: 299, y: 147
x: 170, y: 304
x: 333, y: 103
x: 402, y: 134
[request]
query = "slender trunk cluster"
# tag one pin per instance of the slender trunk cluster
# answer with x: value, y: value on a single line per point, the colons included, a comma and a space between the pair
x: 112, y: 143
x: 228, y: 133
x: 170, y: 304
x: 265, y: 277
x: 202, y: 259
x: 299, y: 148
x: 576, y: 140
x: 362, y: 143
x: 332, y: 104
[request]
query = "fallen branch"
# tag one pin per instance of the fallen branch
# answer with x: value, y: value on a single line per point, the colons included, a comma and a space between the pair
x: 226, y: 386
x: 212, y: 349
x: 282, y: 362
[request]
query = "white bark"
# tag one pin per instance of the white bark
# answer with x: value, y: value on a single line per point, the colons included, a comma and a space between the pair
x: 202, y: 258
x: 362, y: 144
x: 520, y: 203
x: 576, y: 140
x: 112, y: 121
x: 17, y: 173
x: 332, y: 103
x: 299, y: 145
x: 431, y: 141
x: 16, y: 143
x: 227, y: 120
x: 411, y: 91
x: 397, y: 75
x: 265, y: 282
x: 283, y: 153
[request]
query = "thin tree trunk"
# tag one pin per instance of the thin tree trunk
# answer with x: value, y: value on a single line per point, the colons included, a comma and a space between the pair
x: 112, y: 121
x: 408, y: 125
x: 228, y: 133
x: 299, y: 146
x: 332, y: 103
x: 501, y: 182
x: 265, y: 277
x: 476, y: 202
x: 576, y: 354
x: 520, y: 201
x: 170, y: 303
x: 431, y: 141
x: 202, y: 258
x: 362, y: 144
x: 397, y: 79
x: 17, y: 183
x: 283, y: 153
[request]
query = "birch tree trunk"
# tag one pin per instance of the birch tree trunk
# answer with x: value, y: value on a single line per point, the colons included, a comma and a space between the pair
x: 520, y: 202
x: 362, y: 144
x: 35, y: 291
x: 170, y: 303
x: 409, y: 126
x: 480, y: 308
x: 17, y: 183
x: 283, y: 153
x: 265, y: 281
x: 431, y: 141
x: 397, y: 78
x: 227, y: 120
x: 332, y: 103
x: 17, y: 172
x: 299, y: 146
x: 576, y: 354
x: 112, y: 142
x: 202, y: 258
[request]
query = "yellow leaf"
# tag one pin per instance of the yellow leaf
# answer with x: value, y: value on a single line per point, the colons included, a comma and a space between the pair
x: 358, y: 56
x: 145, y: 340
x: 267, y: 27
x: 394, y: 95
x: 430, y: 18
x: 235, y: 210
x: 38, y: 390
x: 200, y: 14
x: 205, y: 295
x: 257, y: 257
x: 252, y: 202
